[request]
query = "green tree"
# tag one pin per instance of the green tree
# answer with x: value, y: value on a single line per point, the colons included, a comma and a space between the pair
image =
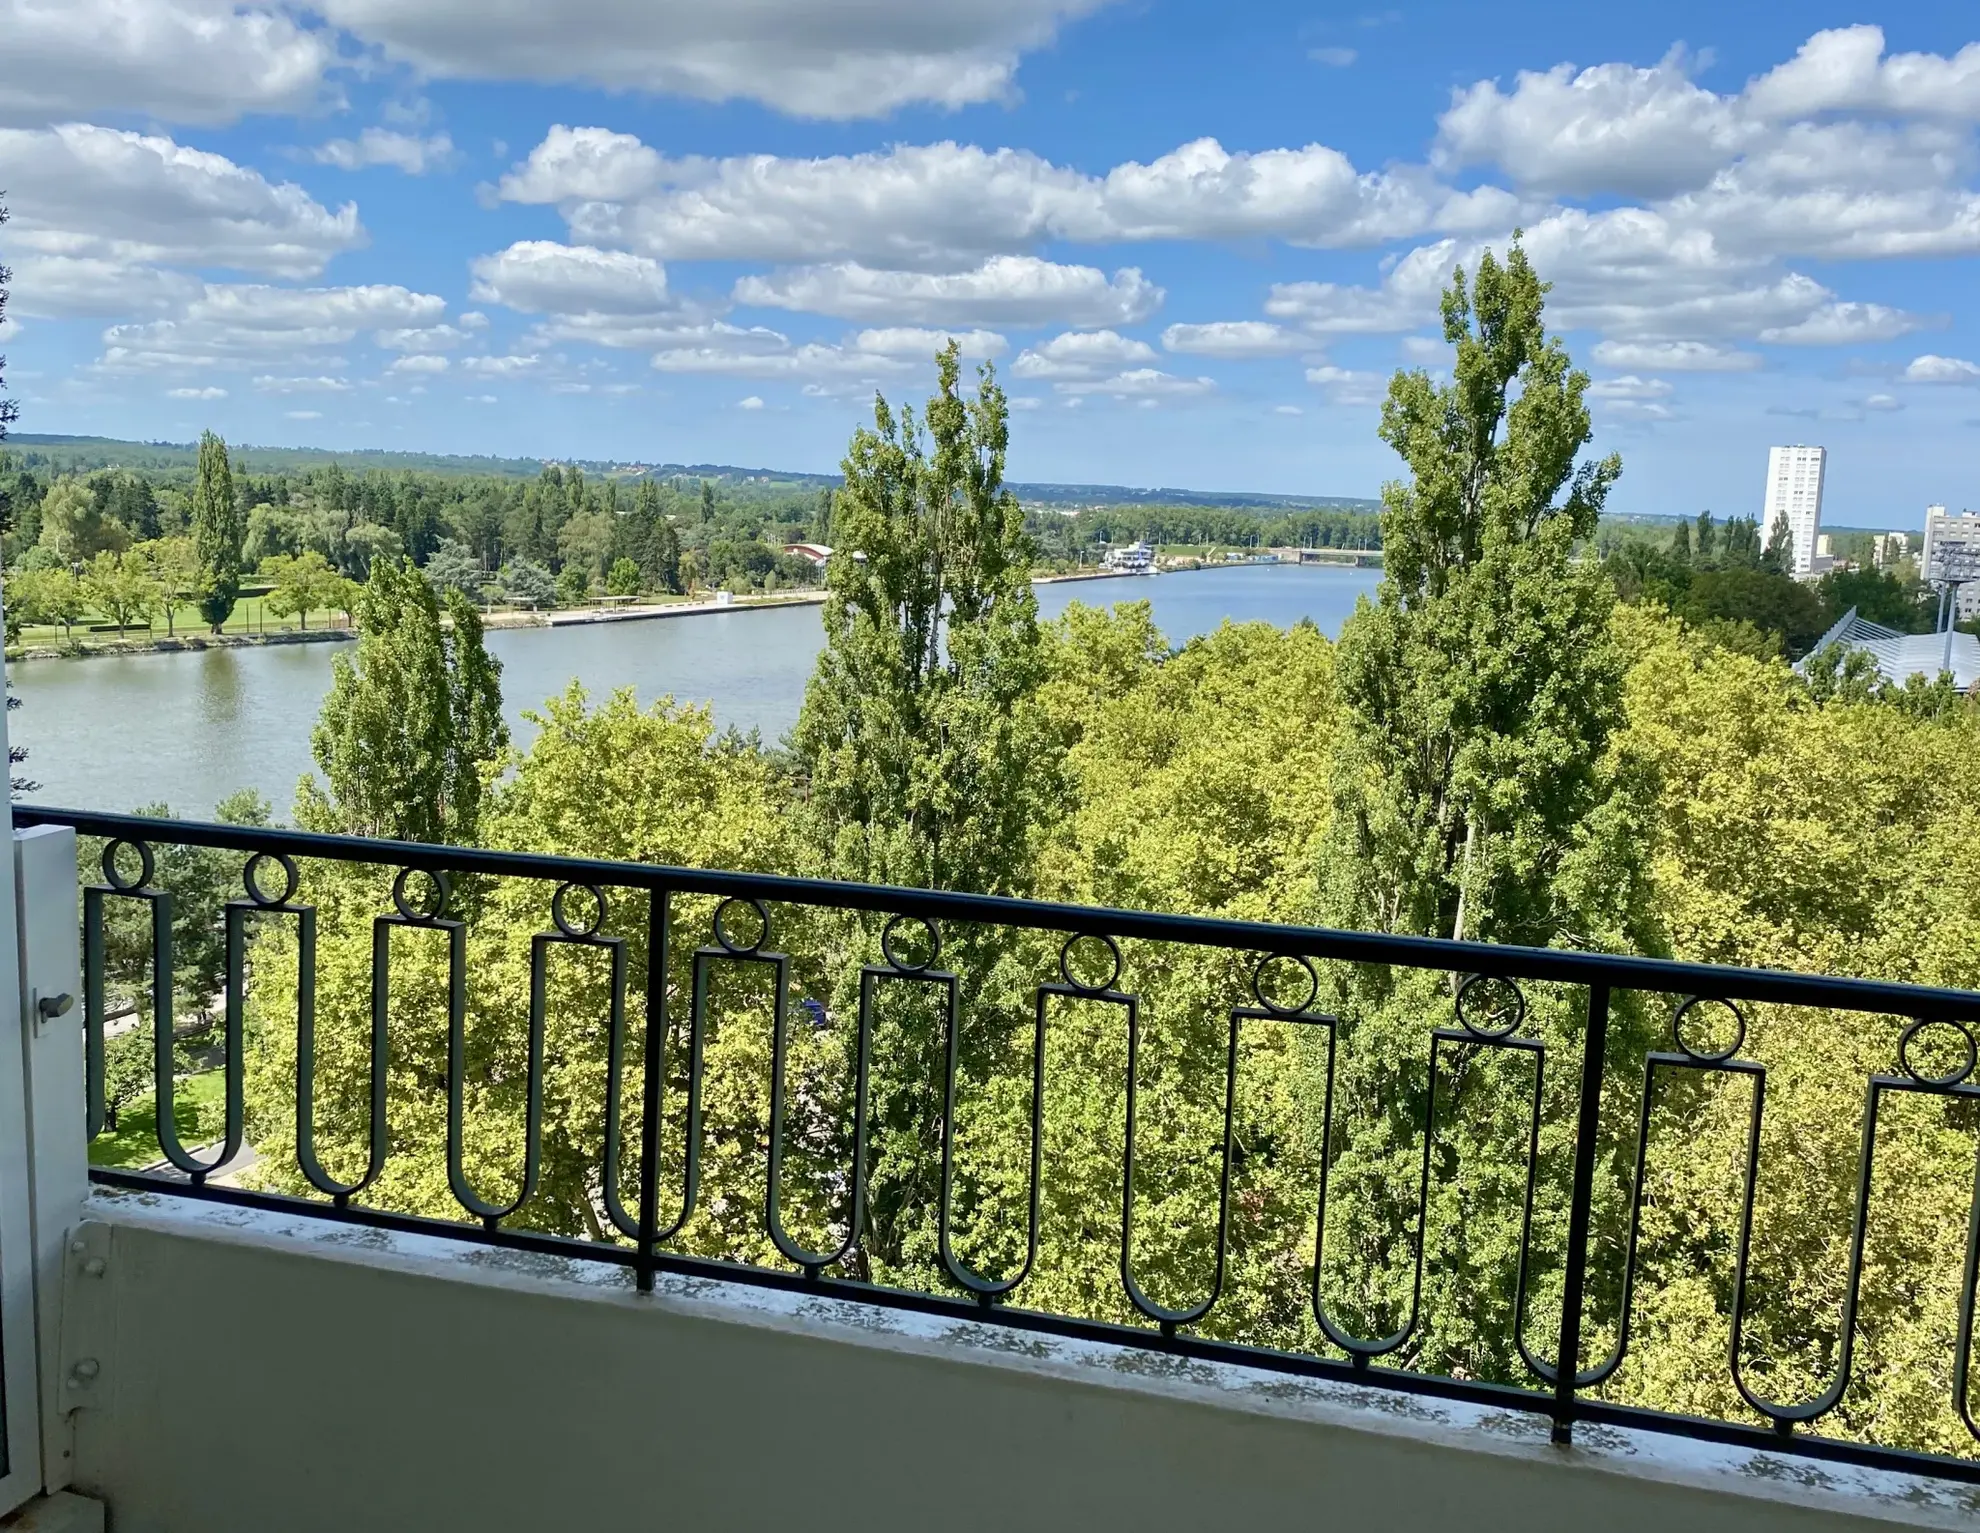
x: 274, y: 530
x: 365, y: 543
x: 654, y: 544
x: 454, y: 567
x: 174, y: 564
x: 302, y: 584
x: 121, y: 588
x: 1779, y: 554
x: 623, y: 579
x: 926, y: 765
x: 48, y: 595
x: 219, y: 532
x: 528, y: 584
x: 1878, y: 595
x: 1772, y: 602
x: 585, y: 541
x: 1478, y: 794
x: 1681, y: 543
x: 573, y: 586
x: 411, y: 724
x: 613, y: 781
x: 1482, y: 687
x: 74, y: 525
x: 928, y: 762
x: 1707, y: 538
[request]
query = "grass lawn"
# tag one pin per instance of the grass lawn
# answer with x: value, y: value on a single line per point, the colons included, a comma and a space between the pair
x: 198, y: 1110
x: 250, y: 616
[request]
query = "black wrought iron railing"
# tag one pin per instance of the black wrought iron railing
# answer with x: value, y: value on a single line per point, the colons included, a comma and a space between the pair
x: 872, y: 1180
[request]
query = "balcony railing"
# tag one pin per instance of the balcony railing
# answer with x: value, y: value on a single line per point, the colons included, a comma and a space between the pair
x: 670, y: 949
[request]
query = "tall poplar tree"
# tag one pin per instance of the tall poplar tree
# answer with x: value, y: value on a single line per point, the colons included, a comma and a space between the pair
x: 219, y: 529
x: 1477, y: 795
x: 1482, y: 686
x: 410, y: 723
x: 930, y: 763
x: 927, y: 765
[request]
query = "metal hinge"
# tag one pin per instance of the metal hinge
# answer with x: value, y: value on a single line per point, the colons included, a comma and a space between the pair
x: 88, y: 1317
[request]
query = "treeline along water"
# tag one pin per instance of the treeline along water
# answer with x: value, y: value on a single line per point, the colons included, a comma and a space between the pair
x: 188, y: 729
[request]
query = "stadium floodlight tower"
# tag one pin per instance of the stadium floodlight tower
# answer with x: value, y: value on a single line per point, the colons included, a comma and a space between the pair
x: 1953, y: 565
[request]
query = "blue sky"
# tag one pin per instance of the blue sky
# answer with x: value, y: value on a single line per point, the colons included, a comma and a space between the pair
x: 1196, y: 238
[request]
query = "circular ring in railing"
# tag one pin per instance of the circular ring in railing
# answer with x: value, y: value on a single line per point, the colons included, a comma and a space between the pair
x: 727, y: 939
x: 251, y: 880
x: 1708, y: 1056
x: 1262, y: 988
x: 1515, y: 1014
x: 933, y: 946
x: 1954, y: 1077
x: 561, y: 916
x: 441, y: 889
x: 1066, y: 963
x: 113, y: 876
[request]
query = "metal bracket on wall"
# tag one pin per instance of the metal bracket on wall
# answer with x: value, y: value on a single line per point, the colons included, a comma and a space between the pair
x: 88, y: 1317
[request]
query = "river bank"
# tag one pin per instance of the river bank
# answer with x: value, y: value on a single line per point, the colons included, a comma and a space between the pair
x: 83, y: 648
x: 86, y: 648
x: 190, y: 643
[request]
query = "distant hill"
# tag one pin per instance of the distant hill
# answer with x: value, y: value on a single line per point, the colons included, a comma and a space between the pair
x: 84, y: 453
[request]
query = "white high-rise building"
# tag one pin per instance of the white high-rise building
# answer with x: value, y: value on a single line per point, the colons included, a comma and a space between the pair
x: 1952, y: 549
x: 1794, y: 490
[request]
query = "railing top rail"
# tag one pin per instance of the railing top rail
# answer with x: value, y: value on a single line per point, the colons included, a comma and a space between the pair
x: 1567, y: 966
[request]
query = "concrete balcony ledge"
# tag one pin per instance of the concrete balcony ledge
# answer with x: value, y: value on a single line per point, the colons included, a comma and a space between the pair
x: 260, y: 1370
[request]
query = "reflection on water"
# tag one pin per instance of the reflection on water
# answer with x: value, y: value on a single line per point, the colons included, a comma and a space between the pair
x: 190, y: 728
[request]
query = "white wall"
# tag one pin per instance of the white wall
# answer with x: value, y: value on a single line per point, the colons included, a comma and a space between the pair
x: 267, y: 1374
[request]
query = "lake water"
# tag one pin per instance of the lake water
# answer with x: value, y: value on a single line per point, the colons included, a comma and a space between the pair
x: 187, y: 729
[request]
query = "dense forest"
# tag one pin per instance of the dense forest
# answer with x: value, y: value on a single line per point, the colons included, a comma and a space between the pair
x: 1499, y: 747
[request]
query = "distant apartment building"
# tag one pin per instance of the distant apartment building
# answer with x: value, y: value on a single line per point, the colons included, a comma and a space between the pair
x: 1794, y: 492
x: 1952, y: 552
x: 1887, y: 548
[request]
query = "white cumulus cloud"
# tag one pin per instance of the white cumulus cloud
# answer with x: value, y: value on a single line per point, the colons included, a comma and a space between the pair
x: 1629, y: 386
x: 98, y: 210
x: 921, y: 343
x: 543, y: 277
x: 1675, y: 356
x: 247, y: 324
x: 1641, y: 132
x: 931, y: 206
x: 1235, y: 338
x: 1847, y: 69
x: 1144, y: 385
x: 501, y: 367
x: 172, y: 60
x: 383, y: 146
x: 1081, y: 354
x: 269, y: 383
x: 835, y: 61
x: 1004, y: 290
x: 1937, y: 369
